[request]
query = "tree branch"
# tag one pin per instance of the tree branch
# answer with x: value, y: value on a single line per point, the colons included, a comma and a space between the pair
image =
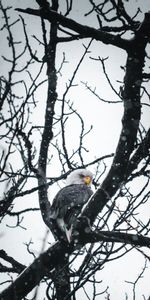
x: 50, y: 53
x: 51, y: 258
x: 142, y: 152
x: 33, y: 274
x: 16, y: 266
x: 130, y: 124
x: 84, y: 31
x: 118, y: 237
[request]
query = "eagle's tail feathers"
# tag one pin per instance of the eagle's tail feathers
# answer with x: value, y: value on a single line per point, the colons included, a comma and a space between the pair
x: 68, y: 233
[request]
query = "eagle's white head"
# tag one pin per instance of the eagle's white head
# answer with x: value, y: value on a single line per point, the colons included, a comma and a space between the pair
x: 80, y: 176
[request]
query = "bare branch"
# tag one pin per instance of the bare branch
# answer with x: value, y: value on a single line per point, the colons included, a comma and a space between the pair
x: 85, y: 31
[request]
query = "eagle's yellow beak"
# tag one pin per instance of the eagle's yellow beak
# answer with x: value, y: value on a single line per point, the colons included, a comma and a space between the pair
x: 87, y: 180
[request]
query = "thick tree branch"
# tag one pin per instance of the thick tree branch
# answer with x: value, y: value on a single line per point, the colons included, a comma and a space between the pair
x: 50, y: 53
x: 62, y: 286
x: 51, y: 258
x: 16, y: 266
x: 130, y: 124
x: 84, y: 31
x: 118, y: 237
x: 32, y: 275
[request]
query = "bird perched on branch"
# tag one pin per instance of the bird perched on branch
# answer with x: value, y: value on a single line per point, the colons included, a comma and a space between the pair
x: 68, y: 203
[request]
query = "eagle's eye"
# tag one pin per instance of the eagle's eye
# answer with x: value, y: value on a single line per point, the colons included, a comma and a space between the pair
x: 81, y: 176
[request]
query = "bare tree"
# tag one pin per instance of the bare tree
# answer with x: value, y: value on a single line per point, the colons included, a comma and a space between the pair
x: 31, y: 147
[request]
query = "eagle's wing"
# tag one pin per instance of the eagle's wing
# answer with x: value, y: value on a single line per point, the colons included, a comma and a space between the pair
x: 66, y: 207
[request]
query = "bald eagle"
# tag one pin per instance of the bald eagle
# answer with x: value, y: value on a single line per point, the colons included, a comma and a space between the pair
x: 68, y: 203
